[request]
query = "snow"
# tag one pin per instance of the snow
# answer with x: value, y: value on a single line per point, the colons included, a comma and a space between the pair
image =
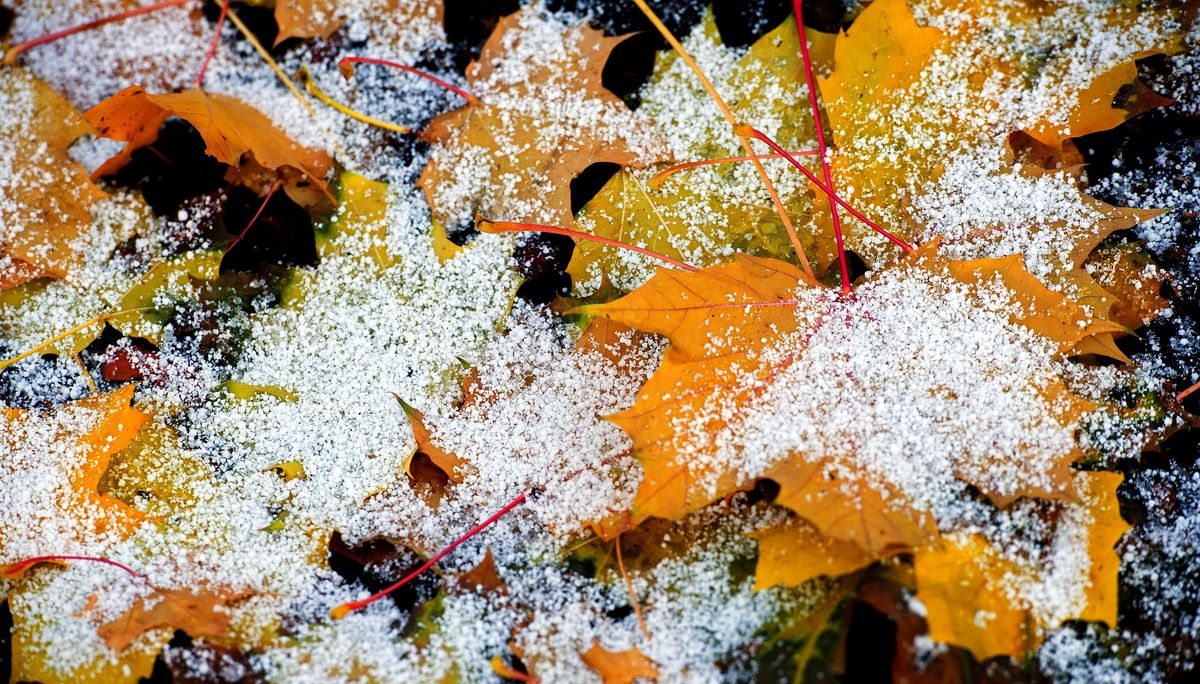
x: 921, y: 384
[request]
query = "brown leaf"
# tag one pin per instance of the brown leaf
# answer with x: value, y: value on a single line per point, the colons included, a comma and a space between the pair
x: 320, y: 18
x: 230, y: 129
x: 619, y: 667
x: 199, y: 612
x: 483, y: 577
x: 539, y: 121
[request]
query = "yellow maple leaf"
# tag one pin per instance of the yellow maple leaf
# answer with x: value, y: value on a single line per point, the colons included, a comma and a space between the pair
x: 919, y: 113
x: 972, y: 591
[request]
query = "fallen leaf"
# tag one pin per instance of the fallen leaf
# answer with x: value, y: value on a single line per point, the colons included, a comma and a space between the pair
x: 725, y: 323
x: 230, y: 129
x: 483, y: 577
x: 444, y: 460
x: 904, y: 147
x: 48, y: 196
x: 619, y: 667
x: 200, y: 612
x: 793, y: 552
x: 542, y: 116
x: 105, y: 424
x: 972, y: 592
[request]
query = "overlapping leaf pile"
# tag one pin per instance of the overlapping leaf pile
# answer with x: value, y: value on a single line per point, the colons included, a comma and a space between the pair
x: 925, y: 440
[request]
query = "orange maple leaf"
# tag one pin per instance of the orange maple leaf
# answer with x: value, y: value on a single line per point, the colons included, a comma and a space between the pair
x: 619, y: 667
x: 106, y: 425
x: 734, y: 328
x: 230, y: 129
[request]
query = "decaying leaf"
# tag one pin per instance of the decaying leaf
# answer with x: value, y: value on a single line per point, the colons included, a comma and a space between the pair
x: 202, y: 612
x: 230, y: 129
x: 541, y: 117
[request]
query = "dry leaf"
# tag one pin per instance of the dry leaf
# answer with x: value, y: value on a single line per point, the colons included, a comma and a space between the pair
x: 230, y: 129
x: 48, y: 196
x: 200, y: 613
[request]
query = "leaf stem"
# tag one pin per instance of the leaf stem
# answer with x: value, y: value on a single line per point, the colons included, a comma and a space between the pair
x: 733, y: 122
x: 253, y: 219
x: 15, y: 51
x: 759, y: 135
x: 98, y: 319
x: 637, y: 608
x: 216, y: 41
x: 345, y: 609
x: 311, y: 85
x: 798, y: 9
x: 1187, y: 392
x: 658, y: 178
x: 514, y: 227
x: 22, y: 565
x: 346, y: 65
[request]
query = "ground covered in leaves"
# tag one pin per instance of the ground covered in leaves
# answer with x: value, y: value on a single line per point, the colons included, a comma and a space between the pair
x: 896, y: 388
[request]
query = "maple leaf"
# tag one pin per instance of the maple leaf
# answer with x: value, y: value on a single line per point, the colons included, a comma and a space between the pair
x: 951, y: 98
x: 47, y: 194
x: 540, y: 118
x: 619, y: 667
x: 793, y: 552
x: 320, y: 18
x: 96, y: 428
x: 973, y: 593
x: 447, y: 462
x: 202, y: 612
x: 736, y: 328
x: 701, y: 215
x: 230, y: 129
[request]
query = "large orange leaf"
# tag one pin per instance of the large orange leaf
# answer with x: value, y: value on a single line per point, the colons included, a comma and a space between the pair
x: 230, y: 129
x: 542, y: 116
x: 735, y: 329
